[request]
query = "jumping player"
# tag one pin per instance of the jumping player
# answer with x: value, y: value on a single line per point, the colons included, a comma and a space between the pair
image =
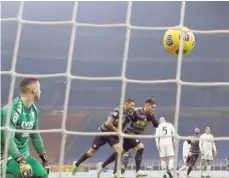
x: 165, y: 145
x: 24, y: 116
x: 111, y: 125
x: 207, y: 149
x: 137, y: 122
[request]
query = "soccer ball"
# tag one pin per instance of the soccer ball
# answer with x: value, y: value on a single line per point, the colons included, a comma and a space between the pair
x: 171, y: 41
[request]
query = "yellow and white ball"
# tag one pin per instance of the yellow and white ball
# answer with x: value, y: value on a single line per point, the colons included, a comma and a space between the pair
x: 171, y: 41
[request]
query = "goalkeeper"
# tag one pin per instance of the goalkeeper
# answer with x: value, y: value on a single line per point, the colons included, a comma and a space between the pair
x: 24, y: 116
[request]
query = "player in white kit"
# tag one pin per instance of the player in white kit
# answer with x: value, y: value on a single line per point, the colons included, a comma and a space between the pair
x: 208, y: 151
x: 186, y: 149
x: 165, y: 145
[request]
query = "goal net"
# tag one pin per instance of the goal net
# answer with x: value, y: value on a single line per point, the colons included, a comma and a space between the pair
x: 84, y: 85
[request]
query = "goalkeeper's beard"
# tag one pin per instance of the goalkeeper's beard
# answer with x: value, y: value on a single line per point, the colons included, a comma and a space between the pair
x: 36, y: 98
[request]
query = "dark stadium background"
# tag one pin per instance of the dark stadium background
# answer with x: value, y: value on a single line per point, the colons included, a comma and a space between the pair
x: 98, y: 52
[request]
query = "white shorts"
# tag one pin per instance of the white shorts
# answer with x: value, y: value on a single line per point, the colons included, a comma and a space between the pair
x: 166, y: 150
x: 207, y: 155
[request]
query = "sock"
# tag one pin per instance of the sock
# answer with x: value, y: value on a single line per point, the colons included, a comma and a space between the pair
x: 110, y: 159
x: 138, y: 159
x: 83, y: 158
x: 202, y: 170
x: 208, y: 170
x: 171, y: 162
x: 186, y: 168
x: 182, y: 168
x: 189, y: 170
x: 163, y: 166
x: 123, y: 170
x: 115, y: 167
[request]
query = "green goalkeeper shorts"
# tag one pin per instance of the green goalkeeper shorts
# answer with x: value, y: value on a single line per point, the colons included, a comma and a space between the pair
x: 12, y: 168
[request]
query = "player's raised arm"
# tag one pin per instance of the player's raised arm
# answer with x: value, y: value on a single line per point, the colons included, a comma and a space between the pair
x: 154, y: 121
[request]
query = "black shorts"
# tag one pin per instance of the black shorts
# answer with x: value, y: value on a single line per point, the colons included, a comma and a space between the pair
x: 192, y: 159
x: 130, y: 143
x: 102, y: 140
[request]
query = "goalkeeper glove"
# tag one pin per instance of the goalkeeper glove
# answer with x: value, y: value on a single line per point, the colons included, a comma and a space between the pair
x: 25, y: 169
x: 45, y: 162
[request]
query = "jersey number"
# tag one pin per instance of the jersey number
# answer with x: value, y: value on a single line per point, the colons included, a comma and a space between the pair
x: 165, y: 130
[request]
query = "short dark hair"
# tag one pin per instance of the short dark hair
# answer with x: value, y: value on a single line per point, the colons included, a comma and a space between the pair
x: 129, y: 100
x: 150, y: 101
x: 25, y: 82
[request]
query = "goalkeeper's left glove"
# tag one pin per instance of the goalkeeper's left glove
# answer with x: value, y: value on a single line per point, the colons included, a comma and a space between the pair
x: 45, y: 162
x: 25, y: 169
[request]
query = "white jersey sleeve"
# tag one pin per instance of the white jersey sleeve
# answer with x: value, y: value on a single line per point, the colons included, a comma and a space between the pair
x: 164, y: 133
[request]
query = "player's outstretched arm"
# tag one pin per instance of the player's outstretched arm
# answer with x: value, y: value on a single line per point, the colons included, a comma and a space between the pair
x: 38, y: 145
x: 189, y: 141
x: 154, y: 121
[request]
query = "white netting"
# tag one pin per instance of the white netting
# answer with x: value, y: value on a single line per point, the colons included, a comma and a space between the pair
x: 123, y: 78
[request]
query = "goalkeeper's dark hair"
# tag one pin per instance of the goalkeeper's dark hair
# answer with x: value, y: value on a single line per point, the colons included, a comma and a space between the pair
x: 129, y: 100
x: 25, y: 82
x: 150, y: 101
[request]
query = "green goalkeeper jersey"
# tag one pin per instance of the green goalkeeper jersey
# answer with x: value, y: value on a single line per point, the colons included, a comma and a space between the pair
x: 21, y: 118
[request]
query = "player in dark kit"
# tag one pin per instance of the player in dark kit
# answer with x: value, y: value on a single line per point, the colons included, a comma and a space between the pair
x: 111, y: 125
x: 136, y: 124
x: 194, y: 151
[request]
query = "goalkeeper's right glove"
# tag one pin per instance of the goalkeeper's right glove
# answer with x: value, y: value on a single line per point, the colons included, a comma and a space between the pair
x: 25, y: 169
x: 45, y: 162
